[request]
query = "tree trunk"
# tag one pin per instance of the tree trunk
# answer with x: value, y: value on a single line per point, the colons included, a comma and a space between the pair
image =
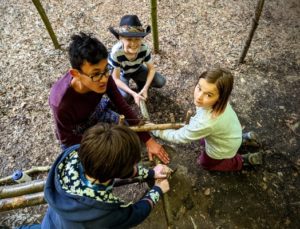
x: 45, y: 19
x: 154, y: 25
x: 255, y: 19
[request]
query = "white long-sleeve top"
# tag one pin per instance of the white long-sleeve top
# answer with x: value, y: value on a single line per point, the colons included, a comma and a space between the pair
x: 223, y: 134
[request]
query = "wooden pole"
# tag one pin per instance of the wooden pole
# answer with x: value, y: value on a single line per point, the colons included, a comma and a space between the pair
x: 151, y: 126
x: 154, y: 25
x: 255, y: 19
x: 46, y: 21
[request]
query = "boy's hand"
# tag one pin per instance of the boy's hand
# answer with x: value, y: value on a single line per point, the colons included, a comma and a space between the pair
x: 155, y: 149
x: 144, y: 93
x: 162, y: 171
x: 137, y: 97
x: 163, y: 184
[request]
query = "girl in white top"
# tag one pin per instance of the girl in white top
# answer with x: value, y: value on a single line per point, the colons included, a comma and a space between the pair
x: 215, y: 122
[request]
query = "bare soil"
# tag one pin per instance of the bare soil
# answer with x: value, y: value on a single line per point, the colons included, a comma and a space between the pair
x: 194, y: 35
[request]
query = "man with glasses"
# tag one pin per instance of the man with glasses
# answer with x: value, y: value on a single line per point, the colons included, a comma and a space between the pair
x: 75, y: 98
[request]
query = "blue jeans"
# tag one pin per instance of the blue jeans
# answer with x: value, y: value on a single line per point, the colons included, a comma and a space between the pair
x: 140, y: 78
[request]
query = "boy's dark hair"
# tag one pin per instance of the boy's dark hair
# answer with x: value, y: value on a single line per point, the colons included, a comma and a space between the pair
x: 109, y: 151
x: 85, y: 47
x: 224, y: 83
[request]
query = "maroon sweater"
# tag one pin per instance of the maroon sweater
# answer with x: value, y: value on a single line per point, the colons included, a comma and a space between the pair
x: 71, y: 108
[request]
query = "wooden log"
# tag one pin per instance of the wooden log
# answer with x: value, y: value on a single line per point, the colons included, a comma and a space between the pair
x: 28, y: 172
x: 22, y: 189
x: 151, y: 126
x: 22, y: 201
x: 26, y: 199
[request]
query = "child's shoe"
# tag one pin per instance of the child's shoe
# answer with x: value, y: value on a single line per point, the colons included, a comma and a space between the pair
x: 252, y: 159
x: 250, y: 139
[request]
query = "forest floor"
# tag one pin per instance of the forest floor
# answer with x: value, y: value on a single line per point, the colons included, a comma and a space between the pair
x: 194, y: 36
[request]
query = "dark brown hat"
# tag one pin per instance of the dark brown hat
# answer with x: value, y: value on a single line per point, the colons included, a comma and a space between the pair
x: 130, y: 26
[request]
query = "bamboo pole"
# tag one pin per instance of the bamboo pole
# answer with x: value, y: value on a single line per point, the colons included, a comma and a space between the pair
x: 45, y: 19
x: 255, y: 19
x: 29, y: 171
x: 22, y: 189
x: 154, y: 25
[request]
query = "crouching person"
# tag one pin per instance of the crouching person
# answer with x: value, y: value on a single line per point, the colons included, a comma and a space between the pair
x: 79, y: 186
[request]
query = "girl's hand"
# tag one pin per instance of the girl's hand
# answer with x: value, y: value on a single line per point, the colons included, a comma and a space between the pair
x: 163, y: 184
x: 162, y: 171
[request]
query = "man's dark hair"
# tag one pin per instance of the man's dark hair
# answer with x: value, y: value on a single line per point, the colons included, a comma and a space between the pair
x: 85, y: 47
x: 109, y: 151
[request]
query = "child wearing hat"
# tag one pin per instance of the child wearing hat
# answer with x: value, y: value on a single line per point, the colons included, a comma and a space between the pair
x: 128, y: 57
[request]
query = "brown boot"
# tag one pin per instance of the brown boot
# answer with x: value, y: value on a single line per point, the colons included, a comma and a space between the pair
x: 252, y: 159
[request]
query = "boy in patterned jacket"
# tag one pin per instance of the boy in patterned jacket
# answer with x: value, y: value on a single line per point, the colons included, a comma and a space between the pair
x: 79, y: 185
x: 128, y: 57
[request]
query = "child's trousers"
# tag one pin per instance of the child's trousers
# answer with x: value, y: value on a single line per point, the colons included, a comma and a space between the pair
x: 140, y: 77
x: 231, y: 164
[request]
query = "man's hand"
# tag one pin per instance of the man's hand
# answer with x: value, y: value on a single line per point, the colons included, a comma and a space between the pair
x: 155, y: 149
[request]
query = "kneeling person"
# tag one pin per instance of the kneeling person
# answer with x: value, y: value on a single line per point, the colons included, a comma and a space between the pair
x: 79, y: 185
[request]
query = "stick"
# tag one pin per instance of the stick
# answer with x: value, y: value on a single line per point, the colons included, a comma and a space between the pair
x: 255, y: 19
x: 166, y: 202
x: 165, y: 199
x: 29, y: 171
x: 151, y: 126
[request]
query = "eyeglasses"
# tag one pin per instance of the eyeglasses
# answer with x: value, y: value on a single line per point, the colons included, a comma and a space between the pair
x: 96, y: 77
